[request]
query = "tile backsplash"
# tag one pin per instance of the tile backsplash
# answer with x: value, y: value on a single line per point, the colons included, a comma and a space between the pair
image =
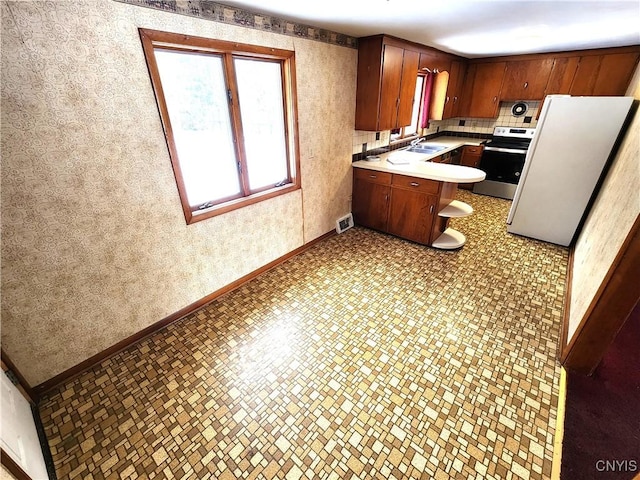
x: 471, y: 125
x: 360, y: 137
x: 486, y: 125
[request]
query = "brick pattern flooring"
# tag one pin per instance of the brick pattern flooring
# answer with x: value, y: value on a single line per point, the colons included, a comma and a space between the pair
x: 364, y: 357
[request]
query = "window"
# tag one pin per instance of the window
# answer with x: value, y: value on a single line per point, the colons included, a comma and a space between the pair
x: 412, y: 129
x: 229, y: 117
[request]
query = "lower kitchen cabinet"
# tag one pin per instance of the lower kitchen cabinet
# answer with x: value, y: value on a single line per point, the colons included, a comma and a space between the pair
x: 411, y: 211
x: 416, y: 209
x: 411, y: 215
x: 371, y: 192
x: 470, y: 158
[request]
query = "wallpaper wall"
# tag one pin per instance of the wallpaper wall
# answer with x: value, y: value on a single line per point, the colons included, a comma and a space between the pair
x: 94, y: 245
x: 606, y: 228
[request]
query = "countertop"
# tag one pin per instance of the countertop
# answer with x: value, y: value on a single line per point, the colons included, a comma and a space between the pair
x: 422, y: 167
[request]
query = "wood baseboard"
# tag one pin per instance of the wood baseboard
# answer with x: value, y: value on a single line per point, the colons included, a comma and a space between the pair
x: 564, y: 326
x: 558, y: 436
x: 76, y: 370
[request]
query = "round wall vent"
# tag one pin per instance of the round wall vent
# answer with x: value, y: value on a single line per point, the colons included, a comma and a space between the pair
x: 519, y: 109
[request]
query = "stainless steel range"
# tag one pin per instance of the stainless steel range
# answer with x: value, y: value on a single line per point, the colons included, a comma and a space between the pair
x: 502, y: 160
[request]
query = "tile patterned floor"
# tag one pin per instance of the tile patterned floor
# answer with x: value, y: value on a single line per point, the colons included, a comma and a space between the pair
x: 364, y: 357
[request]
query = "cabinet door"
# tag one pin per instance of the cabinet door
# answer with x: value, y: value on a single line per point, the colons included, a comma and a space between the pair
x: 615, y: 74
x: 368, y: 83
x: 370, y: 204
x: 584, y: 80
x: 526, y: 80
x: 471, y: 156
x: 482, y: 99
x: 561, y: 77
x: 407, y: 88
x: 390, y: 87
x: 411, y: 215
x: 454, y: 86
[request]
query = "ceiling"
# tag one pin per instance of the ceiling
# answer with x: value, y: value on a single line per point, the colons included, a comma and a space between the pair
x: 471, y: 28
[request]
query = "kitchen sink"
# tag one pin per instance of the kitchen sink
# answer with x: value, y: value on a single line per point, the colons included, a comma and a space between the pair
x: 426, y: 149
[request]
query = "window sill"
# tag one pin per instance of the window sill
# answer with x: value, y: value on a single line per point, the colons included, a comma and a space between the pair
x: 193, y: 217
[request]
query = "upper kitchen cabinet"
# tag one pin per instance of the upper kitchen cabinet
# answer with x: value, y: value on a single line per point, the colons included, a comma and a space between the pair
x: 584, y: 80
x: 434, y: 61
x: 604, y: 75
x: 482, y: 88
x: 454, y: 91
x: 387, y: 74
x: 526, y: 79
x: 562, y: 73
x: 447, y: 90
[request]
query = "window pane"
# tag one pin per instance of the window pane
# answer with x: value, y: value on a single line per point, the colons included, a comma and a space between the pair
x: 417, y: 97
x: 261, y: 109
x: 196, y: 96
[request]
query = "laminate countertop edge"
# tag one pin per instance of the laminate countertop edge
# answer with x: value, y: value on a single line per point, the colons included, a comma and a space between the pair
x: 423, y: 167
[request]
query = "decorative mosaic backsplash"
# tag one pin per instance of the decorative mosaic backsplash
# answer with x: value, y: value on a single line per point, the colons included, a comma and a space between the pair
x: 218, y: 12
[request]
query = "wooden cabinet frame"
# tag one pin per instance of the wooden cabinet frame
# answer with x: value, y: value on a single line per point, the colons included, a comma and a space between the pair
x: 475, y: 91
x: 401, y: 205
x: 386, y: 84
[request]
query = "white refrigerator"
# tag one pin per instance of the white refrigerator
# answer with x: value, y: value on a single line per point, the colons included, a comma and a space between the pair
x: 568, y: 152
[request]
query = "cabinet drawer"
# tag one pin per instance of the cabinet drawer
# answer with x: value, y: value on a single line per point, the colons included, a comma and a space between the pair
x: 414, y: 183
x: 372, y: 176
x: 470, y: 150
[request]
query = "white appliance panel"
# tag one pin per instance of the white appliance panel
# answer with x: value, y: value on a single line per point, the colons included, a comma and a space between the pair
x: 18, y: 433
x: 568, y: 152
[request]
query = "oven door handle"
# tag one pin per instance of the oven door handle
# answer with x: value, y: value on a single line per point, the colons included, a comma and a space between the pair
x: 503, y: 150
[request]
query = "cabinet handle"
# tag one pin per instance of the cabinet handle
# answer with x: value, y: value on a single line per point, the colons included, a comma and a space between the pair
x: 455, y: 99
x: 431, y: 209
x: 495, y: 99
x: 373, y: 176
x: 446, y: 100
x: 526, y: 84
x: 414, y: 184
x: 386, y: 197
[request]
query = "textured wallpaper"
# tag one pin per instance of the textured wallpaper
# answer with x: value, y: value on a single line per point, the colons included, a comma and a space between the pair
x: 94, y: 242
x: 606, y: 228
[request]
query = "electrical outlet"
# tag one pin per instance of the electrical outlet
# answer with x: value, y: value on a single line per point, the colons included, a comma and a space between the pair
x: 364, y: 147
x: 377, y: 135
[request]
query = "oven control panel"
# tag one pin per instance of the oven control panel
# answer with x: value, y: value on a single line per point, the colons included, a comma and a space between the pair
x: 514, y: 132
